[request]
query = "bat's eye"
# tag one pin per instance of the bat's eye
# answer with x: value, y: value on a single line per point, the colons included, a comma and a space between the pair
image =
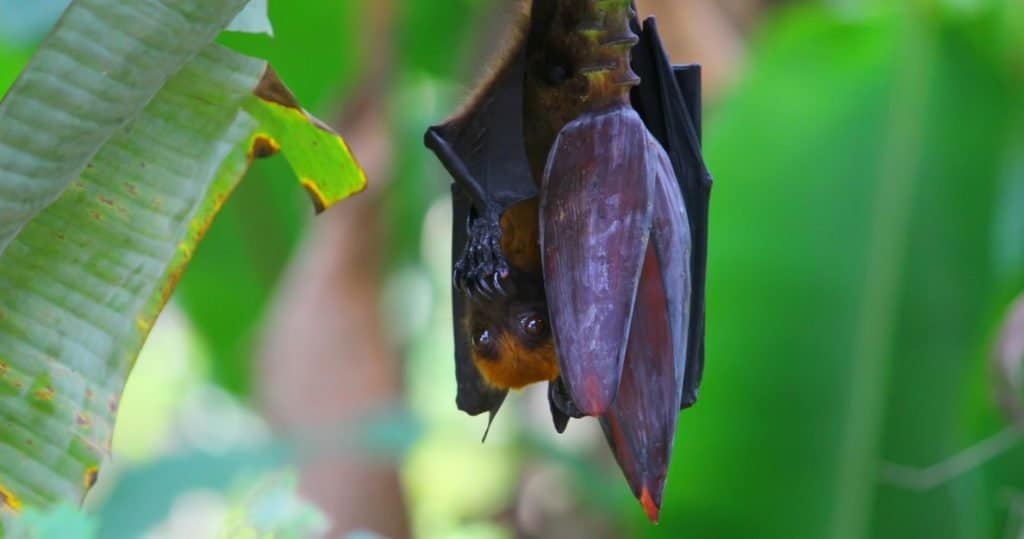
x: 534, y: 325
x: 482, y: 338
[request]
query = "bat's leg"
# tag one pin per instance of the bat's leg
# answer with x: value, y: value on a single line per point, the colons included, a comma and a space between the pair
x: 482, y: 263
x: 482, y: 266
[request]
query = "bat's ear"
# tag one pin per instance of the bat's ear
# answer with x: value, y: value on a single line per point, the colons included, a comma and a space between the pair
x: 490, y: 416
x: 558, y: 417
x: 595, y: 217
x: 560, y: 420
x: 562, y: 407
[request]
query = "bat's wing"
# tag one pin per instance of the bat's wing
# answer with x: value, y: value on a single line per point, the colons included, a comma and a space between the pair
x: 688, y: 78
x: 474, y: 395
x: 669, y: 101
x: 482, y: 148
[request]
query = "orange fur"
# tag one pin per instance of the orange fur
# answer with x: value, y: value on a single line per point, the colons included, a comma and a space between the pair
x: 520, y: 236
x: 517, y: 366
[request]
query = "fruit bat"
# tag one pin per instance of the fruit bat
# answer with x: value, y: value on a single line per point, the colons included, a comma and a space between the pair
x: 580, y: 230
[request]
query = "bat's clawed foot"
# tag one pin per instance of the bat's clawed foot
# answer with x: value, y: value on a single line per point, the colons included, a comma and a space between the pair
x: 482, y: 269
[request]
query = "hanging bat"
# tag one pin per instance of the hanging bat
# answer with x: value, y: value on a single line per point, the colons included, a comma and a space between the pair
x: 497, y: 151
x: 502, y: 339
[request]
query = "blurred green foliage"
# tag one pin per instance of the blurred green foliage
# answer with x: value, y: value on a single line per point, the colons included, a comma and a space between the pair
x: 320, y: 51
x: 60, y: 522
x: 867, y: 235
x: 853, y: 285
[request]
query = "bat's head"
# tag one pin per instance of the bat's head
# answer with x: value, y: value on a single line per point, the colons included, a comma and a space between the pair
x: 510, y: 336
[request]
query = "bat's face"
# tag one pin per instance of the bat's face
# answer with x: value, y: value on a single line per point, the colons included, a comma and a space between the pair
x: 510, y: 338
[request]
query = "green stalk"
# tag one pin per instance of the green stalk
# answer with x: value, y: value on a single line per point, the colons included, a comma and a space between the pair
x: 605, y: 56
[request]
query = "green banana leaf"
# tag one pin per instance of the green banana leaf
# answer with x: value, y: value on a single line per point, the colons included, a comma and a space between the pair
x: 119, y: 143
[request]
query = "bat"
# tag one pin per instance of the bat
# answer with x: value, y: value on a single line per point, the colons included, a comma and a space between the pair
x: 494, y: 200
x: 509, y: 152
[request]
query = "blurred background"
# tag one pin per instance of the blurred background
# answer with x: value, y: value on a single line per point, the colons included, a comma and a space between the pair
x: 864, y: 344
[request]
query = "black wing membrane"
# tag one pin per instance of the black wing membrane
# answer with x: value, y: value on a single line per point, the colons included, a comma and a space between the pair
x: 669, y: 101
x: 482, y: 148
x: 474, y: 395
x: 688, y: 78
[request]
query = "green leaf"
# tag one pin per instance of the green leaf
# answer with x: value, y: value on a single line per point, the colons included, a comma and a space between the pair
x: 252, y: 19
x: 112, y: 168
x: 265, y: 219
x: 113, y: 78
x: 316, y: 155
